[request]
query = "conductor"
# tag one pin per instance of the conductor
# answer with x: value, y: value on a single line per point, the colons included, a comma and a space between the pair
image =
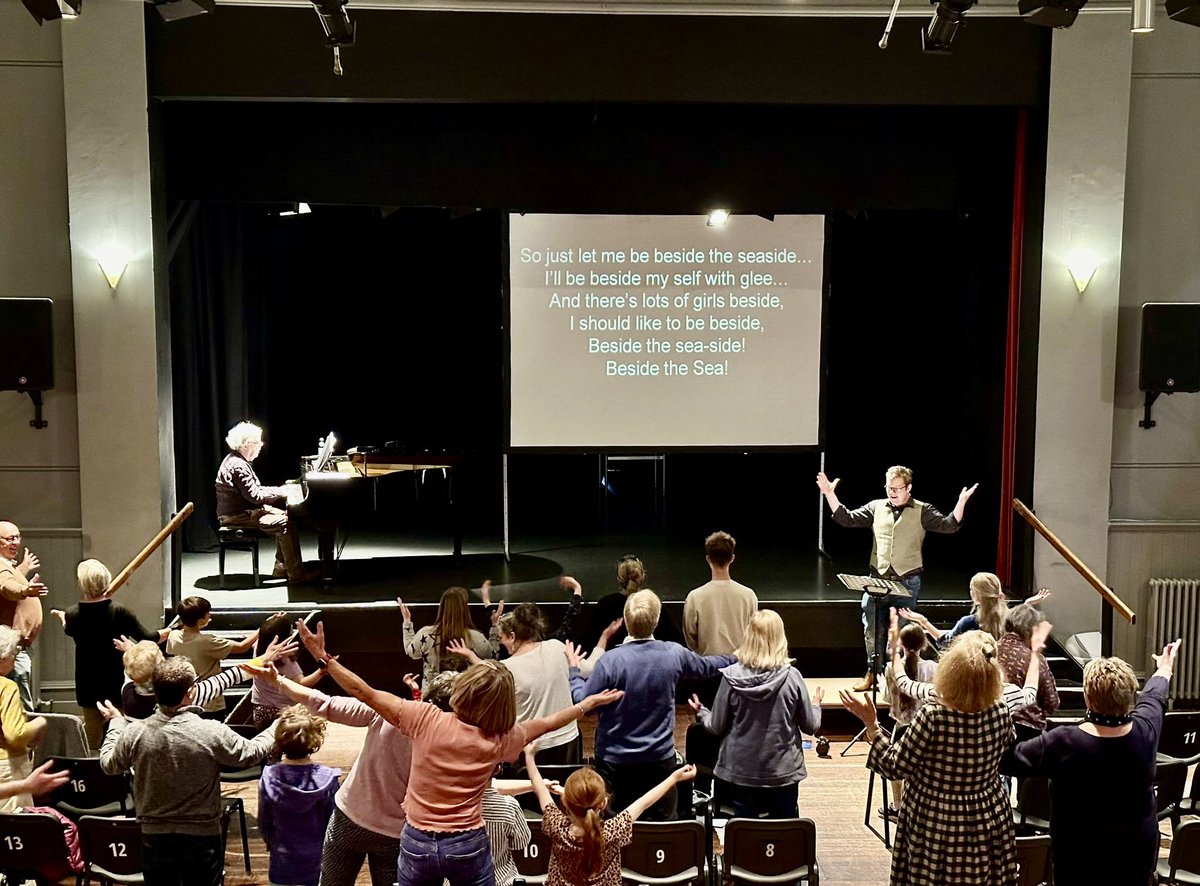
x: 898, y: 524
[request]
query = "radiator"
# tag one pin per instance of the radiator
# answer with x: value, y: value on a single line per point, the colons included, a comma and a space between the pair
x: 1174, y: 606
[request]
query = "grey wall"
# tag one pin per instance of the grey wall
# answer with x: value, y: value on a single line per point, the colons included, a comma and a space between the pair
x: 1154, y: 530
x: 39, y: 469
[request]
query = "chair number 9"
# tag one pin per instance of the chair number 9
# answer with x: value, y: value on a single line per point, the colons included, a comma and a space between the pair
x: 770, y: 850
x: 660, y: 856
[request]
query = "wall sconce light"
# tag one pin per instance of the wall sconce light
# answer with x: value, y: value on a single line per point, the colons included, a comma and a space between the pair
x: 1082, y: 267
x: 113, y: 262
x: 717, y: 218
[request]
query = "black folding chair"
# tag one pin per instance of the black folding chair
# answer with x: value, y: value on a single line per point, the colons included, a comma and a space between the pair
x: 701, y: 749
x: 1170, y: 779
x: 1182, y: 866
x: 666, y: 853
x: 229, y: 805
x: 1180, y: 736
x: 90, y: 791
x: 31, y: 842
x: 1034, y: 805
x: 112, y: 849
x: 1033, y: 861
x: 533, y: 862
x: 780, y: 850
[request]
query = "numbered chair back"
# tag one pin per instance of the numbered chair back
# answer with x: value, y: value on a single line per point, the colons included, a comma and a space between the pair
x: 1180, y: 736
x: 90, y: 791
x: 780, y: 850
x: 32, y: 843
x: 533, y: 862
x: 664, y: 853
x: 112, y: 848
x: 1033, y: 861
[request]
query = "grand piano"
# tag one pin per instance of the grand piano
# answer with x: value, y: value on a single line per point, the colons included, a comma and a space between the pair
x: 336, y: 490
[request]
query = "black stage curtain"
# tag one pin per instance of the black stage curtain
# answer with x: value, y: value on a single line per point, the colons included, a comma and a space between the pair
x: 218, y: 322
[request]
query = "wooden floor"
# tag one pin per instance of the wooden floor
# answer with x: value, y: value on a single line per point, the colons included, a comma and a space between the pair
x: 833, y: 796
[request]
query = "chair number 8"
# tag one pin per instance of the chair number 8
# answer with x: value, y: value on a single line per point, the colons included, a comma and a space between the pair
x: 660, y: 856
x: 770, y: 850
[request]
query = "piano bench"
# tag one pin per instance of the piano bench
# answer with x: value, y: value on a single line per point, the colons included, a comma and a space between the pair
x: 238, y: 538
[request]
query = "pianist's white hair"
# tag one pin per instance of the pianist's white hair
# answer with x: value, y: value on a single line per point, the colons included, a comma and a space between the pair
x: 242, y: 434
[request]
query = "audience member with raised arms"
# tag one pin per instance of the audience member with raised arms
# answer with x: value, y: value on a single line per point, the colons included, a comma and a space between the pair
x: 586, y: 848
x: 1104, y: 826
x: 205, y: 651
x: 17, y: 731
x: 956, y: 825
x: 444, y: 835
x: 1016, y: 648
x: 635, y: 737
x: 431, y: 644
x: 763, y: 710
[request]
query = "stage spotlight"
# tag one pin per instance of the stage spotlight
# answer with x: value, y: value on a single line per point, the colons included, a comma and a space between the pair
x: 1051, y: 13
x: 335, y: 20
x: 45, y: 9
x: 943, y: 27
x: 173, y: 10
x: 717, y: 218
x: 1186, y: 11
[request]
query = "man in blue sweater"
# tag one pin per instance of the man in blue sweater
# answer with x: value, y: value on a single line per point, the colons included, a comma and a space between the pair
x: 635, y: 737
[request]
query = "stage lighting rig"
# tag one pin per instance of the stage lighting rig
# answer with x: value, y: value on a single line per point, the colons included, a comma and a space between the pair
x: 943, y: 27
x: 339, y: 29
x: 1050, y: 13
x: 44, y: 9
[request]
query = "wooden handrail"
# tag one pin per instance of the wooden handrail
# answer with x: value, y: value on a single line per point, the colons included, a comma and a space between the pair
x: 163, y: 535
x: 1082, y: 568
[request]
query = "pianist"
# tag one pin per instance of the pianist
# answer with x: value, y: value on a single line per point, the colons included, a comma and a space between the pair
x: 243, y: 501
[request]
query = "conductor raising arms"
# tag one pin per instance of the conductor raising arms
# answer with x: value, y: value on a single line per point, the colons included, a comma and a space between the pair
x: 898, y: 525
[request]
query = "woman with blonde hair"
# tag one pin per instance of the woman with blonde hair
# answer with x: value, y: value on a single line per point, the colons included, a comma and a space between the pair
x: 444, y: 835
x: 1101, y: 775
x: 762, y: 709
x: 94, y: 623
x: 586, y: 849
x: 431, y: 644
x: 17, y: 731
x: 956, y: 825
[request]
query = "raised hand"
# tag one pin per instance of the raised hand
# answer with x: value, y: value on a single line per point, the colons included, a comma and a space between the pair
x: 607, y: 634
x: 107, y: 710
x: 62, y: 620
x: 1035, y: 599
x: 827, y: 486
x: 860, y: 706
x: 499, y: 612
x: 260, y: 669
x: 122, y: 644
x: 485, y: 592
x: 405, y: 613
x: 278, y: 648
x: 410, y: 681
x: 459, y: 647
x: 967, y: 492
x: 569, y: 582
x: 314, y: 643
x: 573, y: 654
x: 29, y: 563
x: 695, y: 704
x: 914, y: 616
x: 1165, y: 661
x: 36, y: 588
x: 818, y: 695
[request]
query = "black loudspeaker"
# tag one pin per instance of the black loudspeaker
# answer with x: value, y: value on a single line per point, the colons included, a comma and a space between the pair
x: 1170, y: 347
x: 27, y: 346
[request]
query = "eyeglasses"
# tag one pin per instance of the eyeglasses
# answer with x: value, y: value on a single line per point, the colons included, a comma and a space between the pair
x: 896, y: 489
x: 10, y: 538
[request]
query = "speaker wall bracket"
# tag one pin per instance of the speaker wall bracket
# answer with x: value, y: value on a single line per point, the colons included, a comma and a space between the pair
x: 1147, y: 422
x: 37, y: 421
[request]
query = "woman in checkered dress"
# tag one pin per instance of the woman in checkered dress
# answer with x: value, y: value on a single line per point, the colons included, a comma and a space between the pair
x: 955, y: 826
